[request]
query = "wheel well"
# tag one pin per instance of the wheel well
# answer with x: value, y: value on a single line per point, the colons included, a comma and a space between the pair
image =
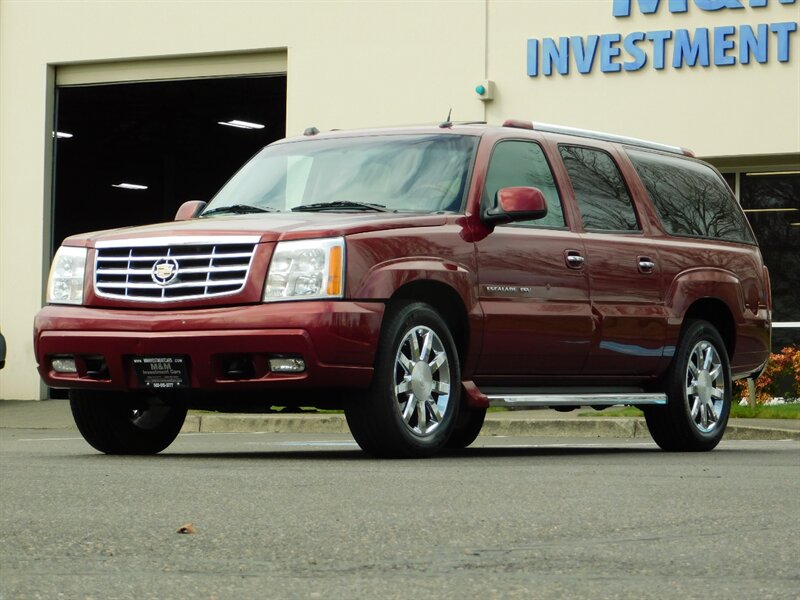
x: 447, y: 302
x: 719, y: 315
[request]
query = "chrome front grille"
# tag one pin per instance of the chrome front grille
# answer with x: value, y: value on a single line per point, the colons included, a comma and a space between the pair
x: 173, y: 269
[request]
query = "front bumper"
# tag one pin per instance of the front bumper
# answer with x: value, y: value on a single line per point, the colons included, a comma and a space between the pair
x: 337, y: 341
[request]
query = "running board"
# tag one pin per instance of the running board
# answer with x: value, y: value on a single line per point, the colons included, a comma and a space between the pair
x: 511, y: 399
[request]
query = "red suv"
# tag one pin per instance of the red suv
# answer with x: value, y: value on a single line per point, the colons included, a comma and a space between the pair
x: 414, y: 277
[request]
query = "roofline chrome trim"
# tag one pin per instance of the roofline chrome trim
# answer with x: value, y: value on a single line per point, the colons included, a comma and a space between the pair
x: 607, y: 137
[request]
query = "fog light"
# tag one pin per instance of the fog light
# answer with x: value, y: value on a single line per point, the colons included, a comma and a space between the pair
x: 64, y: 364
x: 287, y: 365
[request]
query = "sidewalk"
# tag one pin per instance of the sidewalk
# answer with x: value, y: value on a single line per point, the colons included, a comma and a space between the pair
x: 55, y: 414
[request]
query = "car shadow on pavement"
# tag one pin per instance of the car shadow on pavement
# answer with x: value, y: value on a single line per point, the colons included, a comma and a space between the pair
x: 354, y: 454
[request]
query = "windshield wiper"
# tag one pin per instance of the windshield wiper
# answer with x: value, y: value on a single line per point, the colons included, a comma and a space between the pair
x: 323, y: 206
x: 238, y: 209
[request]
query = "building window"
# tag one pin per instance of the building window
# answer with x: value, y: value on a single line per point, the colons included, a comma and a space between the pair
x: 730, y: 179
x: 771, y: 202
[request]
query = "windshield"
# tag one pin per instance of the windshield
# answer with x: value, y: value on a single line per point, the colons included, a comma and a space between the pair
x: 408, y: 173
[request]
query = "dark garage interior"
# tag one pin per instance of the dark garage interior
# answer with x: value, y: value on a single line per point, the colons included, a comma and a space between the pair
x: 163, y: 141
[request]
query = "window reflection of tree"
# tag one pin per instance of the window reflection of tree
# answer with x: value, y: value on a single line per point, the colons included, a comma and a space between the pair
x: 599, y: 189
x: 690, y: 199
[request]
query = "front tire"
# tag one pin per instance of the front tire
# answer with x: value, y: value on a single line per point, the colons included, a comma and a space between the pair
x: 126, y: 423
x: 698, y: 386
x: 412, y: 405
x: 467, y: 429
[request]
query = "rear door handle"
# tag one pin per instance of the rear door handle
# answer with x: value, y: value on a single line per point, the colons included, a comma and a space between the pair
x: 646, y: 265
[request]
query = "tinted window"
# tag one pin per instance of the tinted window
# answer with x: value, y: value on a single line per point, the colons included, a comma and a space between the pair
x: 523, y: 164
x: 690, y: 198
x: 600, y: 191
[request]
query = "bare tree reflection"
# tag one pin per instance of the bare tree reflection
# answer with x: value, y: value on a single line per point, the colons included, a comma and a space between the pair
x: 599, y: 189
x: 690, y: 198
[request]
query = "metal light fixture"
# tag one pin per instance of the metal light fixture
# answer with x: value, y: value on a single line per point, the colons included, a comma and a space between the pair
x: 129, y: 186
x: 241, y: 124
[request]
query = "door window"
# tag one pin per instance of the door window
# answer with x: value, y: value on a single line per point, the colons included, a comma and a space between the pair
x: 600, y: 191
x: 523, y: 164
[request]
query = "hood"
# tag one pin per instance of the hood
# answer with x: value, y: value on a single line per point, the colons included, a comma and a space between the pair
x: 270, y: 227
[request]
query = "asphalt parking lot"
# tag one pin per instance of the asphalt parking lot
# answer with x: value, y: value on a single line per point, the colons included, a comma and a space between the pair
x: 310, y: 516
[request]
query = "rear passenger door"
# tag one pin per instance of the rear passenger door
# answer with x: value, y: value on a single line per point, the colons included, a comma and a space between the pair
x: 625, y: 279
x: 533, y: 287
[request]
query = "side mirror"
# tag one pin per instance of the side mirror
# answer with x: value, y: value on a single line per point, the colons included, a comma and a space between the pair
x: 189, y: 210
x: 516, y: 204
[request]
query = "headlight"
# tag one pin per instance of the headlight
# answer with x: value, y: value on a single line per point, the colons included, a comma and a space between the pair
x: 65, y: 285
x: 305, y: 270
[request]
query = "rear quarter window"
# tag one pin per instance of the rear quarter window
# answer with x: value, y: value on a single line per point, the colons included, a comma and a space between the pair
x: 691, y: 199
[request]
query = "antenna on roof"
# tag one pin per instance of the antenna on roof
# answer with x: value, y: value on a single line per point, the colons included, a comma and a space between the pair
x: 448, y: 123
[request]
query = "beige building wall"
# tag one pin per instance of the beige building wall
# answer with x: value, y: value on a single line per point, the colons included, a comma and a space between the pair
x: 734, y: 110
x: 354, y: 64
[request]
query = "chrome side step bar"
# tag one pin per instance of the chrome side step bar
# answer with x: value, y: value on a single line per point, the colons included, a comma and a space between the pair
x: 511, y: 399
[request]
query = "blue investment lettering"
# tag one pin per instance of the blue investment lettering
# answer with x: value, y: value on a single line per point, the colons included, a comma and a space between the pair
x: 722, y: 46
x: 622, y: 8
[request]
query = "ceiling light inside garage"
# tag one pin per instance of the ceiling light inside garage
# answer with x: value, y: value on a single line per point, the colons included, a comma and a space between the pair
x: 241, y: 124
x: 129, y: 186
x: 773, y: 173
x: 63, y: 135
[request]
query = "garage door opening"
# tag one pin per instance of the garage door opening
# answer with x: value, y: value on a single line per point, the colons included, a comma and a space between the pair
x: 130, y: 154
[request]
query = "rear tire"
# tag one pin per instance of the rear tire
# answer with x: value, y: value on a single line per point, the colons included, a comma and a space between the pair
x: 411, y: 407
x: 126, y: 423
x: 698, y: 387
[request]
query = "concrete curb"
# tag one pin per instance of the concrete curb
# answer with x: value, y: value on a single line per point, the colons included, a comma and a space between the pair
x: 239, y: 423
x: 55, y: 414
x: 745, y: 432
x: 494, y: 426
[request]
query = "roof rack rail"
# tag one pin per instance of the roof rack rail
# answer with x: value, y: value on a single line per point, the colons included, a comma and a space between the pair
x: 598, y: 135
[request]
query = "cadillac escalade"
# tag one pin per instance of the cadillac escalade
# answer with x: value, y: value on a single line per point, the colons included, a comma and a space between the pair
x: 413, y: 278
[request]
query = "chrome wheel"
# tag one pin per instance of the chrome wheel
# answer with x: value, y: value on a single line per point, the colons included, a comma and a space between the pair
x: 705, y: 386
x: 412, y: 405
x: 422, y: 381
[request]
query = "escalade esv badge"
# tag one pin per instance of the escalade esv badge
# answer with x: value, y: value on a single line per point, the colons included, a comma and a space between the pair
x: 165, y: 271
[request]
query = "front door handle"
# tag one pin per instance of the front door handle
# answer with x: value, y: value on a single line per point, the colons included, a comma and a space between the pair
x: 574, y: 259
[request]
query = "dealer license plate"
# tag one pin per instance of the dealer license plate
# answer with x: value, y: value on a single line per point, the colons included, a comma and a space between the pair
x: 161, y: 372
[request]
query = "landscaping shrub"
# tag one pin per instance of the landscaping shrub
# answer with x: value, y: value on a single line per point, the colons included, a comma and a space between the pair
x: 781, y: 378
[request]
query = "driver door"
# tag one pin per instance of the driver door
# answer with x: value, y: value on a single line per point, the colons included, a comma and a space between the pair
x: 533, y: 285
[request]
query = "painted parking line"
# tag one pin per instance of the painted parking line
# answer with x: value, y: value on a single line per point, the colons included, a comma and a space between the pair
x: 305, y: 444
x: 59, y: 439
